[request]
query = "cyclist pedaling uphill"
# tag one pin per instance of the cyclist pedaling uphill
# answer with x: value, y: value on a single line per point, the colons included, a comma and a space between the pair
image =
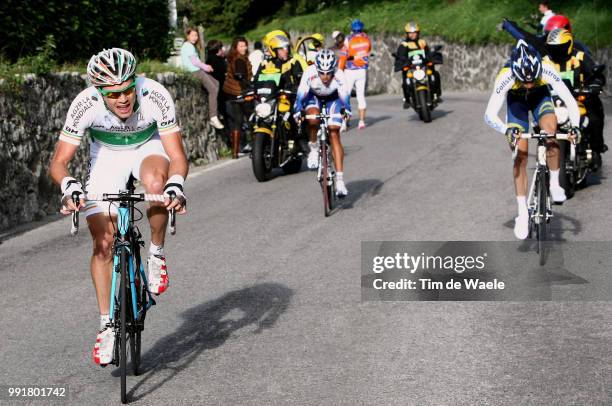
x: 523, y: 84
x: 324, y: 83
x: 133, y: 129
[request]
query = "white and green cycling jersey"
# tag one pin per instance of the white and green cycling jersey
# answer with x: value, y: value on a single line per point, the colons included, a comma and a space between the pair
x: 153, y: 114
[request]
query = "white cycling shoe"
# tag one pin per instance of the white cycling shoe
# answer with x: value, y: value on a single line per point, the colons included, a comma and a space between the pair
x: 341, y: 188
x: 521, y: 227
x: 313, y: 156
x: 104, y: 349
x: 158, y: 274
x: 558, y: 194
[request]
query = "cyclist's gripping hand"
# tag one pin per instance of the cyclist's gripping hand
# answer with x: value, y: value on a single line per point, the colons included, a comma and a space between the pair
x: 511, y: 135
x: 175, y: 198
x: 575, y: 135
x: 70, y: 186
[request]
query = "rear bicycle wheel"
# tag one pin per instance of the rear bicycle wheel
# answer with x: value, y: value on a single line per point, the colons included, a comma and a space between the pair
x: 542, y: 193
x: 123, y: 322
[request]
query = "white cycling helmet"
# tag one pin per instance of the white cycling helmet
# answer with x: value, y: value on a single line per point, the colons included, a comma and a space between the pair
x: 111, y: 67
x: 326, y: 61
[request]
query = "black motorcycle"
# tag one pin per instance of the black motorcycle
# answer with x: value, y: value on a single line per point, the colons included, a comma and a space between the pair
x: 580, y: 160
x: 577, y: 161
x: 421, y: 80
x: 273, y: 131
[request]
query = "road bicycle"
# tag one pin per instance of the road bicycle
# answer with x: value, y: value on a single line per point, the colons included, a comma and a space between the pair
x: 130, y: 296
x: 326, y: 174
x: 539, y: 201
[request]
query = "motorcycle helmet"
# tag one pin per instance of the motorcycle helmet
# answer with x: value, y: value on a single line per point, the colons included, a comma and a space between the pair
x: 318, y: 37
x: 412, y: 26
x: 111, y: 67
x: 560, y: 44
x: 357, y: 26
x: 558, y: 21
x: 525, y: 62
x: 326, y: 61
x: 276, y: 39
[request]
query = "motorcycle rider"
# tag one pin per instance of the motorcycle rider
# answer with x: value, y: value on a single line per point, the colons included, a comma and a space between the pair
x: 576, y: 68
x: 323, y: 81
x: 281, y: 61
x: 413, y: 43
x: 314, y: 45
x: 561, y: 21
x: 523, y: 83
x: 280, y: 57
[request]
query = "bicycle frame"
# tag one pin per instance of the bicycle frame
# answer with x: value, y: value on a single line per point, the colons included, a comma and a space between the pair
x: 124, y: 241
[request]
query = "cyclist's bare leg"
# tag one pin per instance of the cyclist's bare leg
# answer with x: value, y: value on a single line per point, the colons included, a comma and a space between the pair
x: 153, y: 176
x: 313, y: 125
x: 102, y: 230
x: 337, y: 149
x: 520, y: 168
x: 548, y: 123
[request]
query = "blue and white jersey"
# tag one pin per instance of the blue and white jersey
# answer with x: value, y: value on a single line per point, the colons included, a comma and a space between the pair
x: 311, y: 84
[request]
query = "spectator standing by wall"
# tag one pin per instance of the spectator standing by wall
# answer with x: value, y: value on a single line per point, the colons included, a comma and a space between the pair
x: 257, y: 56
x: 239, y: 74
x: 544, y: 8
x: 192, y: 63
x: 215, y: 57
x: 354, y: 59
x: 338, y: 38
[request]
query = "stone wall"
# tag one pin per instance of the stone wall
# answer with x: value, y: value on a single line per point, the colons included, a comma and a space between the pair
x: 465, y: 68
x: 33, y: 112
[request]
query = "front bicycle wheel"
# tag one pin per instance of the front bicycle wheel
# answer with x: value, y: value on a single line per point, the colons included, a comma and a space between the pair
x: 542, y: 213
x: 123, y: 293
x: 138, y: 325
x: 327, y: 197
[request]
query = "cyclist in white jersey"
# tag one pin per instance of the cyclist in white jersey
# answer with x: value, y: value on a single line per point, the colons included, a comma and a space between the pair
x: 321, y: 82
x: 133, y: 131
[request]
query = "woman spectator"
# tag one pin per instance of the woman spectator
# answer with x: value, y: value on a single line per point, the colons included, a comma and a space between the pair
x: 238, y: 77
x: 191, y: 62
x: 215, y: 57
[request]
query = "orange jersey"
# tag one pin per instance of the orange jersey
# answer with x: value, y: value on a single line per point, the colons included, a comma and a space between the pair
x: 356, y: 52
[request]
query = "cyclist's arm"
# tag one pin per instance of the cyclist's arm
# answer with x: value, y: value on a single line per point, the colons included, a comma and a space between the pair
x: 78, y: 118
x: 503, y: 83
x: 553, y: 78
x: 173, y: 146
x: 302, y: 91
x: 64, y: 152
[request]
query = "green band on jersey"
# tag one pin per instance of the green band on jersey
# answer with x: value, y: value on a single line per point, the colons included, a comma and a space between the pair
x: 118, y: 139
x: 275, y: 77
x: 416, y: 52
x: 568, y: 75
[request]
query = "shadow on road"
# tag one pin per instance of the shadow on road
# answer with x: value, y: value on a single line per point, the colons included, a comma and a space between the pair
x: 559, y: 226
x: 209, y: 325
x: 359, y: 189
x: 436, y: 114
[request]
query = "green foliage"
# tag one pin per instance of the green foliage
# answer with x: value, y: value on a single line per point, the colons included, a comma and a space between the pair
x: 230, y: 17
x: 467, y: 21
x: 80, y: 28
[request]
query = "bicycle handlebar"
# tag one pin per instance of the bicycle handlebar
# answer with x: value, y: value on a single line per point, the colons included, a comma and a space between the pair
x: 559, y: 136
x: 121, y: 197
x: 541, y: 136
x: 320, y: 116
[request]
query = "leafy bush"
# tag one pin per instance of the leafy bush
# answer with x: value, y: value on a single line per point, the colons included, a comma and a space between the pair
x: 80, y: 28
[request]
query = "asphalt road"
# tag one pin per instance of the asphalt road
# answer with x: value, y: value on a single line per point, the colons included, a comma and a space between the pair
x: 265, y: 305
